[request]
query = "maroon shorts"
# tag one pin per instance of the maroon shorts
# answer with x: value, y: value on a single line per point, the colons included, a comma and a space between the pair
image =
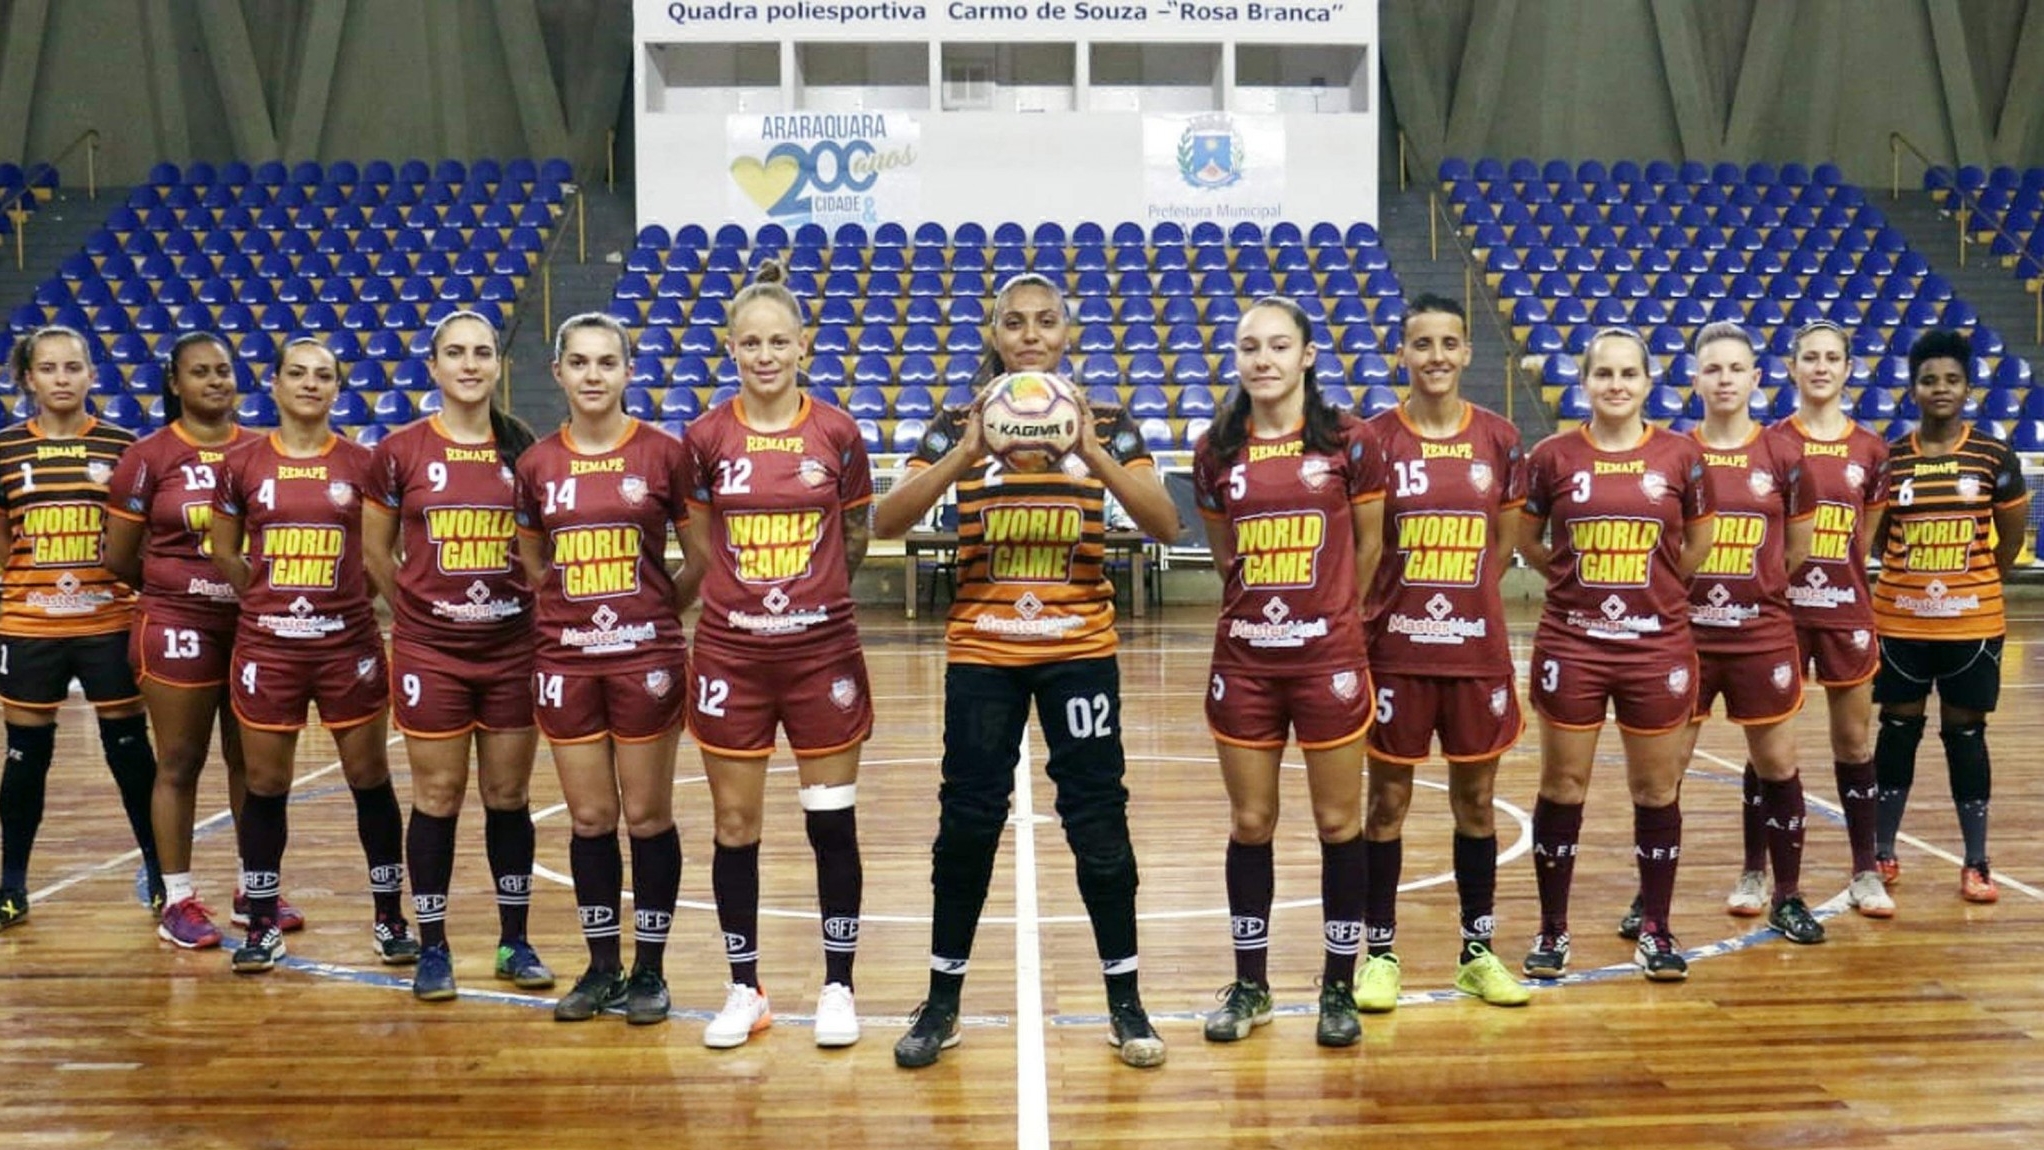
x: 178, y: 655
x: 1325, y: 709
x: 1477, y: 719
x: 629, y: 706
x: 271, y: 689
x: 441, y: 695
x: 1652, y: 694
x: 1841, y: 658
x: 825, y: 705
x: 1759, y: 687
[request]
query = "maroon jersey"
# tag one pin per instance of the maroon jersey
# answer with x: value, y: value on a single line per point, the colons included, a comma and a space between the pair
x: 1615, y: 521
x: 1844, y: 484
x: 166, y: 482
x: 1738, y: 598
x: 302, y: 520
x: 1435, y: 608
x: 607, y: 605
x: 776, y: 502
x: 460, y: 585
x: 1290, y: 603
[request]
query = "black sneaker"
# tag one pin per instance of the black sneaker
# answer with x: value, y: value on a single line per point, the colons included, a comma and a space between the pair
x: 646, y: 1000
x: 931, y: 1031
x: 1244, y: 1007
x: 393, y: 940
x: 433, y: 981
x: 1659, y: 957
x: 1548, y: 958
x: 595, y: 992
x: 260, y: 953
x: 13, y: 906
x: 1130, y: 1032
x: 1795, y: 922
x: 1628, y: 926
x: 1339, y: 1025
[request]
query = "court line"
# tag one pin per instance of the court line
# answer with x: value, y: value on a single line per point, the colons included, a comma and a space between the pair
x: 1032, y: 1083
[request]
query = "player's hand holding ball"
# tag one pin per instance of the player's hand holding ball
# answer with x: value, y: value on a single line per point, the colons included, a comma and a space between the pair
x: 1031, y: 420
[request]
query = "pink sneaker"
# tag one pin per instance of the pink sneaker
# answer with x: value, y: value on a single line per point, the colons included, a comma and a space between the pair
x: 188, y: 924
x: 289, y: 918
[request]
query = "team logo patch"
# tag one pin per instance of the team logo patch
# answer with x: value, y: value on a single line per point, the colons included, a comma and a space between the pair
x: 1480, y: 476
x: 1760, y: 483
x: 1860, y: 639
x: 812, y: 472
x: 1782, y: 676
x: 340, y: 494
x: 1344, y: 685
x: 658, y: 683
x: 99, y: 471
x: 1855, y: 475
x: 1678, y: 681
x: 1654, y: 484
x: 843, y: 693
x: 1500, y: 701
x: 1969, y: 487
x: 633, y: 489
x: 365, y: 667
x: 1314, y: 472
x: 504, y: 474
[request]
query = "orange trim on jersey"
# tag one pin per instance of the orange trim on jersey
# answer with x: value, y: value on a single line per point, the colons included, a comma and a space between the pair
x: 122, y: 513
x: 440, y: 429
x: 277, y: 445
x: 1496, y: 753
x: 1551, y: 721
x: 801, y: 415
x: 1696, y: 433
x: 234, y: 436
x: 820, y: 752
x: 1584, y: 431
x: 1253, y: 745
x: 855, y: 504
x: 1345, y: 740
x: 631, y: 428
x: 283, y: 728
x: 430, y: 736
x: 350, y: 724
x: 34, y: 426
x: 1468, y: 417
x: 1367, y: 497
x: 1770, y: 720
x: 634, y: 740
x: 760, y: 755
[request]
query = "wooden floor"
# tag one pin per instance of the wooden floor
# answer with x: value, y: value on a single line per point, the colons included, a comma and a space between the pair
x: 1918, y: 1032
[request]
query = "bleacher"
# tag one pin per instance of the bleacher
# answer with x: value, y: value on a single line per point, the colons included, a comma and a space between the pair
x: 1570, y: 248
x: 366, y: 257
x: 900, y: 316
x: 2010, y: 198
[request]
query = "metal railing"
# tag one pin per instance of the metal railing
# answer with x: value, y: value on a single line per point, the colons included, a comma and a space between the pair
x: 544, y: 274
x: 11, y: 204
x: 1968, y: 215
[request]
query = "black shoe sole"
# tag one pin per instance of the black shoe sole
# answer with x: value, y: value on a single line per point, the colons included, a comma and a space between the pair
x: 917, y: 1059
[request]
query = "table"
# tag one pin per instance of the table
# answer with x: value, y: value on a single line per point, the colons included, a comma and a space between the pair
x: 1132, y: 544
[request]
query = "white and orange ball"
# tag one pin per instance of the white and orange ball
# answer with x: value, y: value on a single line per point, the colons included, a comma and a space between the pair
x: 1031, y: 420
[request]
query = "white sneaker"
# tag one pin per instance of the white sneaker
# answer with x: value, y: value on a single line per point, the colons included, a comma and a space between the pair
x: 1869, y: 895
x: 745, y: 1014
x: 1749, y: 895
x: 837, y: 1020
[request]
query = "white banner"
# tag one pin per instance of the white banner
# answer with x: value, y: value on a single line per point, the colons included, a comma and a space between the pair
x: 825, y: 168
x: 1213, y: 166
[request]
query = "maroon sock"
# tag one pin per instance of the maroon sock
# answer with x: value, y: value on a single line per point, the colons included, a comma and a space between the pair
x: 1556, y: 828
x: 1657, y: 847
x: 1382, y: 863
x: 1859, y: 792
x: 1342, y: 885
x: 1251, y: 886
x: 1753, y: 821
x: 1783, y: 803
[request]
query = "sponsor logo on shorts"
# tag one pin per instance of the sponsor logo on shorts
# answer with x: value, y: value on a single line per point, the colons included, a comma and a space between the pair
x: 1678, y: 681
x: 1861, y: 638
x: 1345, y: 685
x: 1782, y: 675
x: 844, y: 693
x: 1500, y: 701
x: 365, y: 667
x: 658, y: 683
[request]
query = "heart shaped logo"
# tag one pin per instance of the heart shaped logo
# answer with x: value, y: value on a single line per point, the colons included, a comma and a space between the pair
x: 766, y: 183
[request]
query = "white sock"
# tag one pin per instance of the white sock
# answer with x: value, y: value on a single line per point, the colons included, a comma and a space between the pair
x: 177, y: 888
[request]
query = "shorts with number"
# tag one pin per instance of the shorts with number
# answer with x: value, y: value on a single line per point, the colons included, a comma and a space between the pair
x: 825, y: 705
x: 272, y: 689
x: 1326, y: 709
x: 1651, y: 695
x: 180, y: 656
x: 1759, y: 688
x: 1477, y: 719
x: 37, y: 673
x: 1966, y: 672
x: 1840, y: 658
x: 630, y: 706
x: 437, y: 694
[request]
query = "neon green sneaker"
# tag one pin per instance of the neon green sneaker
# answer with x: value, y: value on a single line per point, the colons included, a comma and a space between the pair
x: 1485, y: 977
x: 1377, y: 986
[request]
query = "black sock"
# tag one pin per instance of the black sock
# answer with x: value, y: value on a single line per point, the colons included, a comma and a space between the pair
x: 840, y: 887
x: 1895, y: 769
x: 734, y: 877
x: 1341, y: 908
x: 125, y: 742
x: 429, y: 848
x: 262, y: 830
x: 656, y: 879
x: 508, y: 840
x: 961, y: 866
x: 1753, y: 821
x: 1383, y: 863
x: 1972, y: 777
x: 380, y: 823
x: 1251, y: 889
x: 22, y: 783
x: 1476, y: 882
x: 1107, y: 885
x: 599, y: 871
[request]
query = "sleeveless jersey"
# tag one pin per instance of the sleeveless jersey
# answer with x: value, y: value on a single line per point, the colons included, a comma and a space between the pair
x: 607, y: 605
x: 55, y: 490
x: 460, y: 585
x: 1031, y: 552
x: 1291, y: 604
x: 166, y: 482
x: 776, y: 504
x: 302, y: 522
x: 1738, y: 598
x: 1844, y: 483
x: 1615, y: 521
x: 1938, y: 578
x: 1436, y: 608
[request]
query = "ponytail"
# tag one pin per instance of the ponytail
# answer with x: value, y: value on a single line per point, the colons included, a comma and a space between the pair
x: 513, y: 435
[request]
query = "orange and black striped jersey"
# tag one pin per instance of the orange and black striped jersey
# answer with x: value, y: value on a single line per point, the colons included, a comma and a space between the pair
x: 1938, y: 578
x: 57, y: 584
x: 1031, y: 553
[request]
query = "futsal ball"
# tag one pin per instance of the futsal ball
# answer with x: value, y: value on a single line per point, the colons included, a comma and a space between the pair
x: 1031, y: 420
